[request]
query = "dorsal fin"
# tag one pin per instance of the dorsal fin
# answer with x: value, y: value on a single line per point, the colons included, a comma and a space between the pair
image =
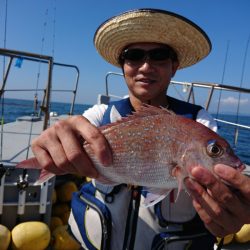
x: 145, y: 110
x: 148, y: 110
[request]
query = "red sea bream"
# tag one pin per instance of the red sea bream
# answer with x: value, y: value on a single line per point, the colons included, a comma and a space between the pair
x: 151, y: 144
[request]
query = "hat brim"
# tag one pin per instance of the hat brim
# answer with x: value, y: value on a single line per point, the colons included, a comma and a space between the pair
x: 187, y: 39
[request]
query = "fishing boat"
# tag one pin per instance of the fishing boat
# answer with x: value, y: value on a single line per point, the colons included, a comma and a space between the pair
x: 20, y: 199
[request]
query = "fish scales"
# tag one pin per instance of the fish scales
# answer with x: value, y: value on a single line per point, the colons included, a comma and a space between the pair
x: 149, y: 144
x: 144, y: 150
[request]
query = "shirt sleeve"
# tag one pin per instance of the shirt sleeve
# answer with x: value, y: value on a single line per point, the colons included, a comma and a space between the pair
x: 206, y: 119
x: 95, y: 114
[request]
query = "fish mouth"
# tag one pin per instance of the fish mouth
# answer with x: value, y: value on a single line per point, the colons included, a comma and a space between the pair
x: 239, y: 167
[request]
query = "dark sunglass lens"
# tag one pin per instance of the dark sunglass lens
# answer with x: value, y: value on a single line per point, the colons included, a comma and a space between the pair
x: 134, y: 54
x: 159, y: 54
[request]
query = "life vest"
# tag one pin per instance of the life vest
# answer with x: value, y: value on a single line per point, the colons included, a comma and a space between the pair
x: 96, y: 200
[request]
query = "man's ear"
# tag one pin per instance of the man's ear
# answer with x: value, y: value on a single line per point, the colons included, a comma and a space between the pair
x: 175, y: 66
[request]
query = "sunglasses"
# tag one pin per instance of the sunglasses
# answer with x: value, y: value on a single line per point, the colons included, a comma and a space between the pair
x: 155, y: 55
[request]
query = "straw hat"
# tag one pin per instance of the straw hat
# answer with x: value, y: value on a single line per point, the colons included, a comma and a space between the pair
x: 188, y: 40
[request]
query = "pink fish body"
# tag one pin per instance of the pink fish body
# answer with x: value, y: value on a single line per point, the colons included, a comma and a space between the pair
x: 148, y: 145
x: 151, y: 144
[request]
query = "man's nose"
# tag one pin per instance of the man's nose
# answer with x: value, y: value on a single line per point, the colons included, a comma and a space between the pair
x: 147, y: 65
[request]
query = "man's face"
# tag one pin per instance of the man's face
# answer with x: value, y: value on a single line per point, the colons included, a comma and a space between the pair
x: 148, y: 74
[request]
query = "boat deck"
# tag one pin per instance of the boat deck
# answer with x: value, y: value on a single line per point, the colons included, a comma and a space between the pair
x: 18, y: 135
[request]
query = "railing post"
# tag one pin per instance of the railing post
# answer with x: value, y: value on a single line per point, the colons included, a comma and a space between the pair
x: 47, y: 94
x: 209, y: 97
x: 5, y: 77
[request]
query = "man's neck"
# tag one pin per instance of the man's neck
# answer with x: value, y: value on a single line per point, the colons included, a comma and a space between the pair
x: 159, y: 102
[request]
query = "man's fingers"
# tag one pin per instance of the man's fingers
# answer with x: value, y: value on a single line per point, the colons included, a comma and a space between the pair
x: 46, y: 162
x: 211, y: 212
x: 50, y: 152
x: 200, y: 195
x: 95, y: 138
x: 217, y: 189
x: 211, y: 225
x: 73, y: 151
x: 59, y: 149
x: 234, y: 178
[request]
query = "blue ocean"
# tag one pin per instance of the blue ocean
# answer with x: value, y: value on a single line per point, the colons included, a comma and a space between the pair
x: 13, y: 108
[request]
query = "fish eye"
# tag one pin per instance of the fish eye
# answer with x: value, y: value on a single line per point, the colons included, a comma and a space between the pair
x: 213, y: 149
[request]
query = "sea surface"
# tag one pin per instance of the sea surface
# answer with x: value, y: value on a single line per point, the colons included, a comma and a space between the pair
x: 10, y: 109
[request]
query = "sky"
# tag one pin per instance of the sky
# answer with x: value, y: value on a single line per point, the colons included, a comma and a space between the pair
x: 65, y: 29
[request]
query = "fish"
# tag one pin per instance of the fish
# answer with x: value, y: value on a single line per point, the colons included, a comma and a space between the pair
x: 157, y: 149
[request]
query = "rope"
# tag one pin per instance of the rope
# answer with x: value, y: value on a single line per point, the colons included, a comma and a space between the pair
x: 222, y: 79
x: 38, y: 79
x: 42, y: 47
x: 54, y: 30
x: 239, y: 97
x: 4, y: 62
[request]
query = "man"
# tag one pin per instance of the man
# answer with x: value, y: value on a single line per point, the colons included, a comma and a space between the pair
x: 149, y: 45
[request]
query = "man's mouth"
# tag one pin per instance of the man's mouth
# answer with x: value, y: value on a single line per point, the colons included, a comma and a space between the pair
x: 146, y: 81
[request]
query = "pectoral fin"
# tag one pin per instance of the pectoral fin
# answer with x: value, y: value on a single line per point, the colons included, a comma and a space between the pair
x: 155, y: 195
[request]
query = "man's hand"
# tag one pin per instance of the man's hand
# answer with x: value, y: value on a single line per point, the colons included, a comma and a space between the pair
x: 223, y: 208
x: 59, y: 149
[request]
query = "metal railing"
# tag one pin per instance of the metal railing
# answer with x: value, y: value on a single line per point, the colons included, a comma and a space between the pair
x: 188, y: 85
x: 11, y: 54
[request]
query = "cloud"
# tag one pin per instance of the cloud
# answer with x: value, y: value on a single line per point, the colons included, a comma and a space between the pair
x: 234, y: 101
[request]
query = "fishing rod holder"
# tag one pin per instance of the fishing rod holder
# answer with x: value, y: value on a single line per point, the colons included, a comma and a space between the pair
x: 22, y: 182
